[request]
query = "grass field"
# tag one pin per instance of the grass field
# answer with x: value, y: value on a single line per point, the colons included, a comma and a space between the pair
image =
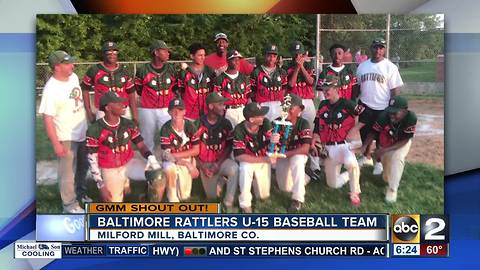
x: 421, y: 191
x: 419, y: 72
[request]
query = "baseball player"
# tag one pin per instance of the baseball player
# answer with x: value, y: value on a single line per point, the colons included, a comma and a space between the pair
x: 65, y: 124
x: 218, y: 60
x: 250, y: 142
x: 179, y: 147
x: 195, y: 82
x: 346, y: 73
x: 290, y: 171
x: 109, y: 143
x: 335, y: 118
x: 235, y: 86
x: 156, y: 85
x: 301, y: 78
x: 379, y: 81
x: 268, y: 83
x: 108, y: 76
x: 215, y: 136
x: 394, y: 128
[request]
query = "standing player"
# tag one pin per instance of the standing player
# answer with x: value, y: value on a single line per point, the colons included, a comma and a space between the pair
x: 268, y: 83
x: 334, y: 121
x: 250, y: 142
x: 395, y: 128
x: 178, y: 151
x: 218, y: 60
x: 155, y: 83
x: 290, y: 171
x: 108, y: 76
x: 65, y: 123
x: 346, y: 73
x: 215, y: 137
x: 195, y: 82
x: 109, y: 143
x: 235, y: 86
x: 379, y: 81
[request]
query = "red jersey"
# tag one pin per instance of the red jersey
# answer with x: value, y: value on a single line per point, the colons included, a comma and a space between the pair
x: 334, y: 121
x: 268, y: 87
x: 301, y: 88
x: 156, y: 86
x: 214, y: 139
x: 347, y: 78
x: 194, y: 89
x: 102, y: 80
x: 170, y: 139
x: 219, y: 64
x: 236, y: 90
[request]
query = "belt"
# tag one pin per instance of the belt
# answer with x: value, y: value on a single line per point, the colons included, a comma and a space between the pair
x: 335, y: 143
x: 234, y: 106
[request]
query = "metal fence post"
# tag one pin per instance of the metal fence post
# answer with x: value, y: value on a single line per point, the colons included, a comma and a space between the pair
x: 387, y: 53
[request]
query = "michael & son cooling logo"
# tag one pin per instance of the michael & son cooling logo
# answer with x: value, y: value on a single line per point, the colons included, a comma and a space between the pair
x: 414, y: 229
x: 30, y: 250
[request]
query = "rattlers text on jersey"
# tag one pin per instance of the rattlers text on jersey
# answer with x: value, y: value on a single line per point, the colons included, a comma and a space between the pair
x: 268, y: 87
x: 156, y: 86
x: 194, y: 89
x: 301, y: 88
x: 236, y: 90
x: 390, y: 133
x: 102, y: 80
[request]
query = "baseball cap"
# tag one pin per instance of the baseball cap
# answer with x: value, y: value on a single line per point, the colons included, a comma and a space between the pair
x: 176, y: 103
x: 215, y: 97
x: 254, y: 109
x: 271, y: 49
x: 221, y: 36
x: 110, y: 97
x: 158, y: 44
x: 232, y: 54
x: 397, y: 103
x: 109, y: 46
x: 297, y: 48
x: 329, y: 82
x: 59, y: 57
x: 296, y: 101
x: 379, y: 41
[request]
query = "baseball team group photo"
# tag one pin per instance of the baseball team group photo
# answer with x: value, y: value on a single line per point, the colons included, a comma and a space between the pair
x: 260, y: 113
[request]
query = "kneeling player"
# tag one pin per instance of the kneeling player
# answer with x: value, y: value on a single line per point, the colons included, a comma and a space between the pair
x: 335, y: 118
x: 250, y: 142
x: 395, y: 128
x: 290, y: 171
x: 178, y: 150
x: 109, y: 143
x: 215, y: 137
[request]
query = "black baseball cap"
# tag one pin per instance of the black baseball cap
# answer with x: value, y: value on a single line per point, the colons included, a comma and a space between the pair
x: 254, y: 109
x: 379, y: 42
x: 176, y: 103
x: 271, y: 48
x: 297, y: 48
x: 109, y: 46
x: 158, y: 44
x: 215, y: 97
x: 396, y: 104
x: 110, y: 97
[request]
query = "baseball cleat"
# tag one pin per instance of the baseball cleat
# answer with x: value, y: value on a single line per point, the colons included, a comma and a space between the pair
x: 86, y: 199
x: 391, y: 195
x: 295, y: 206
x: 355, y: 199
x: 377, y: 168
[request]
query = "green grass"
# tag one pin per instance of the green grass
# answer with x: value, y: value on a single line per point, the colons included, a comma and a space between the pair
x: 43, y: 147
x: 421, y: 191
x: 419, y: 72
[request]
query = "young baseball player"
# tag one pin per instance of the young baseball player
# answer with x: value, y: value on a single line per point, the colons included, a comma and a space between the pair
x: 179, y: 147
x: 195, y: 82
x: 394, y: 129
x: 290, y: 171
x: 215, y: 136
x: 250, y: 142
x: 379, y: 81
x: 346, y: 73
x: 108, y: 76
x: 155, y: 83
x: 335, y: 118
x: 268, y: 83
x: 235, y: 86
x: 109, y: 143
x: 218, y: 60
x: 65, y: 124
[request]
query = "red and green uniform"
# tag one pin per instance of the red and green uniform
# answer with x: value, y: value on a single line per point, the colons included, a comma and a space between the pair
x: 102, y: 80
x: 334, y: 121
x: 219, y: 64
x: 390, y: 133
x: 214, y: 139
x: 301, y: 133
x: 156, y: 86
x: 301, y: 88
x: 268, y: 88
x: 194, y: 89
x: 236, y: 90
x: 347, y: 78
x: 252, y: 144
x: 170, y: 139
x: 113, y: 143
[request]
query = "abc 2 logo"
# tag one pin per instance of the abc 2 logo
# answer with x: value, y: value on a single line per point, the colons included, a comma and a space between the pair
x: 415, y: 229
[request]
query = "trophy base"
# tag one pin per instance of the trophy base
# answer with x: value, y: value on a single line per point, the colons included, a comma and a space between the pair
x: 276, y: 155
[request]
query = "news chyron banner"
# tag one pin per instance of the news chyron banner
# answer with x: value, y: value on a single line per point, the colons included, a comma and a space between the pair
x: 199, y: 230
